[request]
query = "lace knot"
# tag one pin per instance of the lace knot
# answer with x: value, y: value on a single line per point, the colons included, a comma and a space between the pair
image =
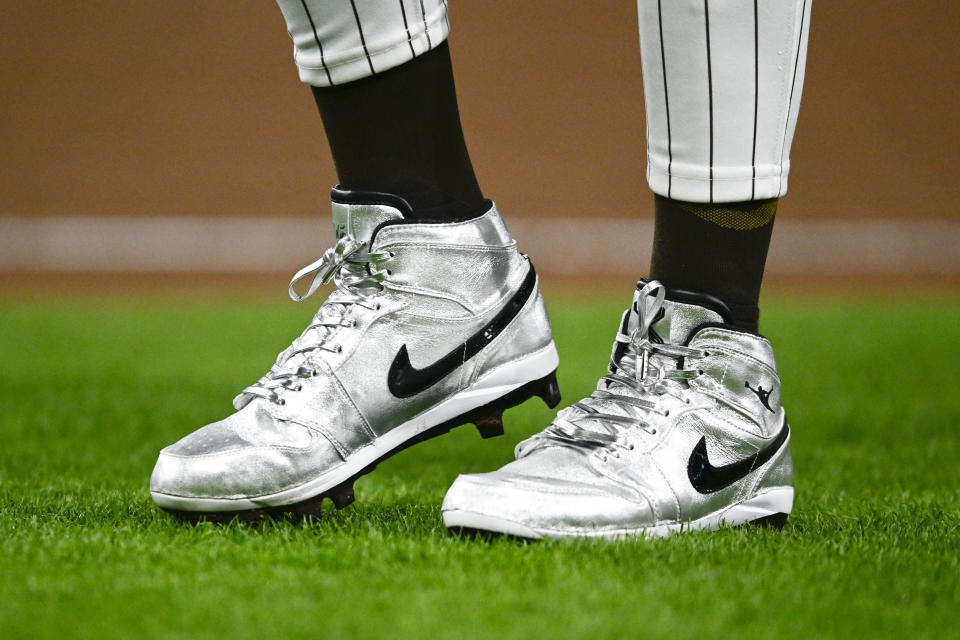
x: 326, y: 267
x: 358, y: 276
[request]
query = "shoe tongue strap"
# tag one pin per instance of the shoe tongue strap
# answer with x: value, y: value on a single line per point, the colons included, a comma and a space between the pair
x: 647, y: 310
x: 360, y: 219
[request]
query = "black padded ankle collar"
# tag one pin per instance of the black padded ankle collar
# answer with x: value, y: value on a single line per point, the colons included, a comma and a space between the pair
x: 357, y: 196
x: 488, y: 205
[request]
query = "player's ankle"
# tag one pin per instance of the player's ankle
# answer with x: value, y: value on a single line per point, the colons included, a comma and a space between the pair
x: 399, y: 132
x: 716, y: 248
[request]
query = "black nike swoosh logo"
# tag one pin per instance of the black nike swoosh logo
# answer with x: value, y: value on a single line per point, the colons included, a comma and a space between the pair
x: 707, y: 478
x: 404, y: 380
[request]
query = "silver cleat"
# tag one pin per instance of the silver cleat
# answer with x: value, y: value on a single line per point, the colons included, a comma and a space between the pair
x: 431, y: 325
x: 685, y: 431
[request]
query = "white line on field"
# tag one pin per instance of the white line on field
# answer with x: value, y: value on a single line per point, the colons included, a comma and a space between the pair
x: 557, y: 245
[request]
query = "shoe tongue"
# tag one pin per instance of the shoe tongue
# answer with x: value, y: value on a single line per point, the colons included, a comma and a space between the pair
x: 680, y: 320
x: 671, y: 321
x: 359, y: 213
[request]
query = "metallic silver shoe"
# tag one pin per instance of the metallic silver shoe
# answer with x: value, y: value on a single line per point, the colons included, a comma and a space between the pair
x: 684, y: 432
x: 432, y: 325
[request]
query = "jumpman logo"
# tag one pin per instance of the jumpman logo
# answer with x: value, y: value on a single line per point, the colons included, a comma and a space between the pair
x: 764, y: 396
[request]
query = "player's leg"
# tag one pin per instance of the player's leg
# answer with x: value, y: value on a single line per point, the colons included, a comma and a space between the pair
x: 409, y: 116
x: 437, y: 318
x: 382, y: 79
x: 686, y: 430
x: 722, y: 81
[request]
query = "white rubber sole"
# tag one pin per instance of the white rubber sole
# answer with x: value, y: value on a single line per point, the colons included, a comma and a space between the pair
x: 488, y: 388
x: 768, y: 503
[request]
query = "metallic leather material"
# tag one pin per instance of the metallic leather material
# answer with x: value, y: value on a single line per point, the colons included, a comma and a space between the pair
x: 360, y: 220
x: 476, y: 271
x: 639, y: 479
x: 516, y: 339
x: 441, y: 284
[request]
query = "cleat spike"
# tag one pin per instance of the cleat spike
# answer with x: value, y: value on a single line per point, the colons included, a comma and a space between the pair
x: 309, y: 510
x: 775, y: 521
x: 342, y: 496
x: 490, y: 425
x: 549, y: 391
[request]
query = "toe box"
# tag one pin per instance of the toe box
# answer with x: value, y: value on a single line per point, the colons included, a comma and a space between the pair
x: 229, y: 463
x: 518, y: 501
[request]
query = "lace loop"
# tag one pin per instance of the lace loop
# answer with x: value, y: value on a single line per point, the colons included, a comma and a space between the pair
x: 358, y: 277
x: 325, y: 268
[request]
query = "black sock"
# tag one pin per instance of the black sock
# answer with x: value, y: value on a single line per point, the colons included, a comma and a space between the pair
x: 399, y: 132
x: 718, y: 249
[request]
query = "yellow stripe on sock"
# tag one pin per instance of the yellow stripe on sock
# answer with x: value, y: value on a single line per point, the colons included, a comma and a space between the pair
x: 739, y: 216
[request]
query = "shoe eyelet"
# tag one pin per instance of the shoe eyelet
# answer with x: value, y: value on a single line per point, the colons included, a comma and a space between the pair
x: 377, y: 307
x: 666, y: 414
x: 389, y: 273
x: 299, y: 387
x: 631, y: 447
x: 338, y: 349
x: 353, y: 323
x: 281, y: 402
x: 700, y: 372
x: 653, y: 432
x: 392, y: 254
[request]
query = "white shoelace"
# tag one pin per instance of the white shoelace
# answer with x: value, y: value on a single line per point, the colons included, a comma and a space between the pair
x: 359, y: 278
x: 633, y: 386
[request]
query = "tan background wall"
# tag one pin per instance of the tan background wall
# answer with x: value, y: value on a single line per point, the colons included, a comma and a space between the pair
x: 180, y: 107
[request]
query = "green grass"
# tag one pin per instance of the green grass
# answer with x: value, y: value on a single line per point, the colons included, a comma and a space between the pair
x: 91, y: 389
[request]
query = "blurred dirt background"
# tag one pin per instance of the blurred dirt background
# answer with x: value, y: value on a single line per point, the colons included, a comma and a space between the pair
x: 176, y: 107
x: 172, y: 108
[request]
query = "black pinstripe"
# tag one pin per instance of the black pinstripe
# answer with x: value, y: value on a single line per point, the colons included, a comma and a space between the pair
x: 706, y: 14
x: 793, y: 84
x: 426, y: 29
x: 362, y: 39
x: 316, y: 38
x: 666, y: 100
x: 756, y: 94
x: 406, y: 27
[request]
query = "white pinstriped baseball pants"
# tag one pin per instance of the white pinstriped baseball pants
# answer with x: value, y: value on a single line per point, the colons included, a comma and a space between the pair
x: 722, y: 79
